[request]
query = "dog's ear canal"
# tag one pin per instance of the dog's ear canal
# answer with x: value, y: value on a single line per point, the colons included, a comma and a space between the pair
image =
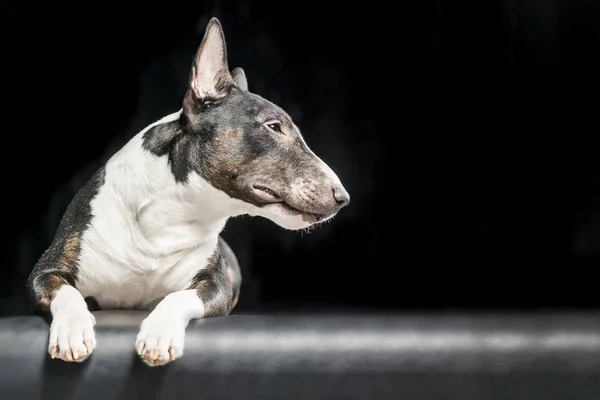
x: 239, y: 76
x: 210, y: 78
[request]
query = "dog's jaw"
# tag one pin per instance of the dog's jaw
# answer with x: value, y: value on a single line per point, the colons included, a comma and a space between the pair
x: 287, y: 218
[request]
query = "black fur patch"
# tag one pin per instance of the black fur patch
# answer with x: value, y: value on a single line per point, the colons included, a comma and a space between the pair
x: 186, y: 152
x: 60, y: 262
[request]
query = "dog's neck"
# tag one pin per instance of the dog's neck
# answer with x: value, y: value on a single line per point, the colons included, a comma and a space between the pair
x: 186, y: 215
x: 170, y: 215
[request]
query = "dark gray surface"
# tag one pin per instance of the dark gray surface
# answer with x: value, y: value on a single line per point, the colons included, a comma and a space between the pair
x: 534, y: 356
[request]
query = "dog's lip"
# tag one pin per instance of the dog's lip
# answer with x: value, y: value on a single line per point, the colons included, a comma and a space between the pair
x: 269, y: 196
x: 266, y: 194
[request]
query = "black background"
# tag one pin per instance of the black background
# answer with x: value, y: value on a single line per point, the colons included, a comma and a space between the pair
x: 464, y: 132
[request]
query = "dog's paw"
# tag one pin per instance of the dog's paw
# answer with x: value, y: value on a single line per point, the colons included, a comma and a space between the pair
x: 72, y: 336
x: 160, y: 340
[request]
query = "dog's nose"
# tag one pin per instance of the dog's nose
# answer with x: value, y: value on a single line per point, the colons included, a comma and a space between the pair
x: 341, y: 196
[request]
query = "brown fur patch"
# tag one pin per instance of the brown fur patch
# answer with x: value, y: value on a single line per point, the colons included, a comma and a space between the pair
x: 53, y: 283
x: 224, y: 166
x: 233, y: 133
x: 214, y: 287
x: 70, y: 252
x: 66, y: 266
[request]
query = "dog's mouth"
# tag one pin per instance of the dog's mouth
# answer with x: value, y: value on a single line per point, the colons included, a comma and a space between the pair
x: 269, y: 197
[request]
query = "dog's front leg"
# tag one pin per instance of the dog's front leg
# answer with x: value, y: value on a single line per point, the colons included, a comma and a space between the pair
x: 72, y: 335
x: 72, y: 329
x: 162, y: 334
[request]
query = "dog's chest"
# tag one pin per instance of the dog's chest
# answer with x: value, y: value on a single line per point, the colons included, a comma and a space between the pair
x: 123, y: 267
x: 137, y: 280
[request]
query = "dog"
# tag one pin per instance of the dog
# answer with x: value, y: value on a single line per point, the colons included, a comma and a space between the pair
x: 144, y: 232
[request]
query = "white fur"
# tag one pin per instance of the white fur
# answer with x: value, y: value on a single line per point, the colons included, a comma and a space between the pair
x: 162, y: 335
x: 72, y: 330
x: 150, y: 235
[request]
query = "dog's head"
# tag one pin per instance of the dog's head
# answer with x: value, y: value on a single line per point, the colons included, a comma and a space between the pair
x: 252, y: 150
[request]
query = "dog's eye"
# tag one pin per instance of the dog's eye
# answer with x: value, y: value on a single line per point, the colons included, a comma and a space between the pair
x: 275, y: 127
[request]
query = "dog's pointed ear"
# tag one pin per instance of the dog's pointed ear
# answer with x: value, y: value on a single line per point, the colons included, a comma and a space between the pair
x: 210, y: 77
x: 239, y: 77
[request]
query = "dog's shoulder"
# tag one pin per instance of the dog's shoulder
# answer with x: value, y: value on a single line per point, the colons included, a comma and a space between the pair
x: 79, y: 214
x: 64, y: 251
x: 93, y: 200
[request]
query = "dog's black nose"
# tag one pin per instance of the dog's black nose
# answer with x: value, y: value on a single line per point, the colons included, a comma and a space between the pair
x: 341, y: 196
